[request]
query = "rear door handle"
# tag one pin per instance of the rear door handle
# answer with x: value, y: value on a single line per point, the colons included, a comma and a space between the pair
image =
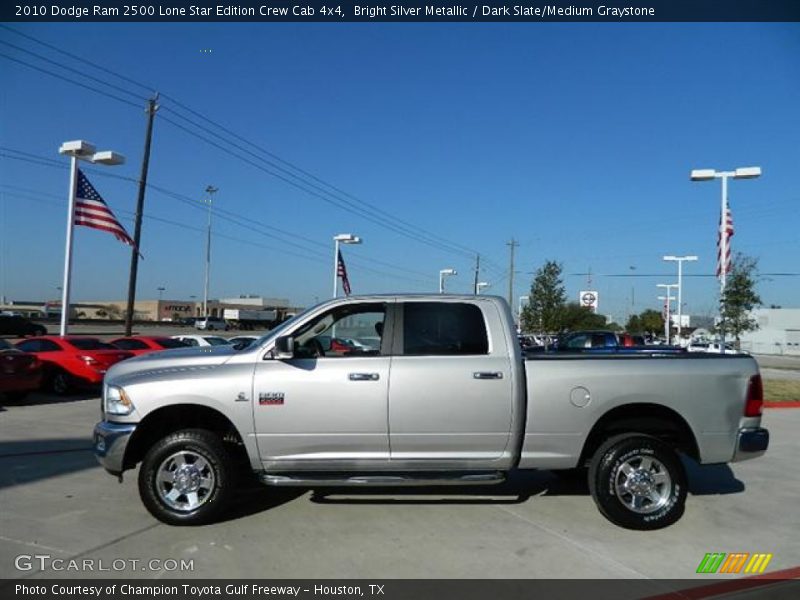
x: 487, y: 375
x: 364, y: 377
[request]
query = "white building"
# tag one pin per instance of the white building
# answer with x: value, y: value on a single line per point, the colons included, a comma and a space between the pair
x: 778, y: 332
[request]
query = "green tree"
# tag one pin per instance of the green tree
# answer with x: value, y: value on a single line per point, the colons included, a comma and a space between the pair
x: 574, y: 317
x: 652, y: 321
x: 647, y: 321
x: 634, y: 324
x: 740, y: 297
x: 546, y: 300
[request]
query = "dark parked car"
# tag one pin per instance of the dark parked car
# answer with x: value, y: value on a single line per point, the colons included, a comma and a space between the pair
x: 20, y: 372
x: 20, y: 326
x: 144, y: 344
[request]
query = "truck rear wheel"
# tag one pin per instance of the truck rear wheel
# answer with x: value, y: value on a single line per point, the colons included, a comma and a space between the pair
x: 187, y: 478
x: 638, y: 482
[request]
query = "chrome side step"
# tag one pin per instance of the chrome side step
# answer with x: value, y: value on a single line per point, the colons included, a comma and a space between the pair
x: 382, y: 480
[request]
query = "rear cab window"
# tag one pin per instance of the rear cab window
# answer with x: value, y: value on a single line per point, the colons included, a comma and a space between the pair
x: 443, y: 329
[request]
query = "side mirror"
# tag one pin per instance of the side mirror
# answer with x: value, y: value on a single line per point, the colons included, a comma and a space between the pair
x: 284, y: 347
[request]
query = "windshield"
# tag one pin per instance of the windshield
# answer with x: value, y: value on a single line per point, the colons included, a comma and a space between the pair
x: 217, y: 341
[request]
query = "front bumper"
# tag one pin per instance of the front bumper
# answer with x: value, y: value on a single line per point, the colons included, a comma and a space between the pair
x: 751, y: 443
x: 110, y: 441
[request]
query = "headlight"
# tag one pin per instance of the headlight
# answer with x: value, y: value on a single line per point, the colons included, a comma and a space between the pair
x: 117, y: 401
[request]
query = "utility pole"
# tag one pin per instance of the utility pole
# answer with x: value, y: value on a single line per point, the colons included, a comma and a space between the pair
x: 476, y: 289
x: 210, y: 190
x: 512, y: 245
x: 152, y: 107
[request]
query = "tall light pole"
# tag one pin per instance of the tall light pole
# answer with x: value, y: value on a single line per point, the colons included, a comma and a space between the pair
x: 77, y: 150
x: 668, y: 298
x: 680, y: 260
x: 445, y: 273
x: 210, y: 190
x: 724, y: 250
x: 480, y: 286
x: 342, y: 238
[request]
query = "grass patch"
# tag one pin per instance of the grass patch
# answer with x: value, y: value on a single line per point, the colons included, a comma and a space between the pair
x: 781, y: 390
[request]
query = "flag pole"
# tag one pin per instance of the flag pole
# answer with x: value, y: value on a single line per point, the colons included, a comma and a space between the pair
x: 723, y: 258
x: 65, y: 288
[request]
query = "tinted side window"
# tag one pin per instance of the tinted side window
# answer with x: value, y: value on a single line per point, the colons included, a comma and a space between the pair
x: 130, y: 345
x: 48, y: 346
x: 438, y: 328
x: 170, y: 343
x: 29, y: 346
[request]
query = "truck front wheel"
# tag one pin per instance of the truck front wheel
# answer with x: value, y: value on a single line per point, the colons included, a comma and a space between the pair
x: 638, y: 482
x: 187, y: 478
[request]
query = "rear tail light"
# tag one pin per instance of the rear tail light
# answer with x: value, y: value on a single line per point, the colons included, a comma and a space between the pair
x: 755, y: 397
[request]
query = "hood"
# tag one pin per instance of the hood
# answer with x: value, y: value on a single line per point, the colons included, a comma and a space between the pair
x: 163, y: 362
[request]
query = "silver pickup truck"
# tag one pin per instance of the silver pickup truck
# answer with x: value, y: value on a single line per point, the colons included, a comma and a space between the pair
x: 421, y: 390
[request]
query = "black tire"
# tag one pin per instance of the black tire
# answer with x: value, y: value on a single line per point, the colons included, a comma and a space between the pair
x: 659, y: 488
x: 61, y: 383
x: 218, y: 467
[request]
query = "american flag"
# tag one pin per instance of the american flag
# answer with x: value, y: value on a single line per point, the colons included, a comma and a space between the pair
x: 724, y: 262
x: 92, y: 211
x: 341, y: 271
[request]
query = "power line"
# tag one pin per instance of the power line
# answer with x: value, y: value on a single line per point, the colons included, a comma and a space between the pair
x: 403, y: 228
x: 72, y: 70
x: 68, y: 80
x: 318, y: 258
x: 149, y: 89
x: 239, y: 220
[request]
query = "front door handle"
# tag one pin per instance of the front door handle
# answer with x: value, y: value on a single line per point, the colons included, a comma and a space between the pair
x: 364, y: 377
x: 487, y: 375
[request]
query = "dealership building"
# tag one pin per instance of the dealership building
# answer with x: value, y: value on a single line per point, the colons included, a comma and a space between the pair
x: 150, y: 310
x: 778, y: 332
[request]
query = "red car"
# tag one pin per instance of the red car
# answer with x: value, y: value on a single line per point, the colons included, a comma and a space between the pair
x: 73, y: 361
x: 20, y: 372
x: 142, y: 344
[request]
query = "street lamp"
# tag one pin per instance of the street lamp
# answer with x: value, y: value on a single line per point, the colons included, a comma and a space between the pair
x: 78, y: 150
x: 724, y: 250
x: 160, y: 292
x: 668, y: 298
x: 342, y: 238
x: 680, y: 260
x: 442, y: 274
x: 210, y: 190
x: 481, y: 285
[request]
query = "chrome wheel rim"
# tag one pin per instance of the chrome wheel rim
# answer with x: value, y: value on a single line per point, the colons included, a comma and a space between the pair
x: 185, y: 480
x: 643, y: 484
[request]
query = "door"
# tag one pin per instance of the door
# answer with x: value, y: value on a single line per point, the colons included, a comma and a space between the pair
x: 327, y: 406
x: 451, y: 390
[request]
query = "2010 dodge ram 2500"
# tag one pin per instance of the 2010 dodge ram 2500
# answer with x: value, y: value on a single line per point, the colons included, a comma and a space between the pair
x: 433, y: 390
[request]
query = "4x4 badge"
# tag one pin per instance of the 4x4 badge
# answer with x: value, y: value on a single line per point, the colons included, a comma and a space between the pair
x: 270, y: 398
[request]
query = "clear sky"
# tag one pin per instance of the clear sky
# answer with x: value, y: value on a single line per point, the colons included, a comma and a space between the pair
x: 575, y: 139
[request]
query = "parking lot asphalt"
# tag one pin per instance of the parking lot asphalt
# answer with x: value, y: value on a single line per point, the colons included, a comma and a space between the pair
x: 57, y: 501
